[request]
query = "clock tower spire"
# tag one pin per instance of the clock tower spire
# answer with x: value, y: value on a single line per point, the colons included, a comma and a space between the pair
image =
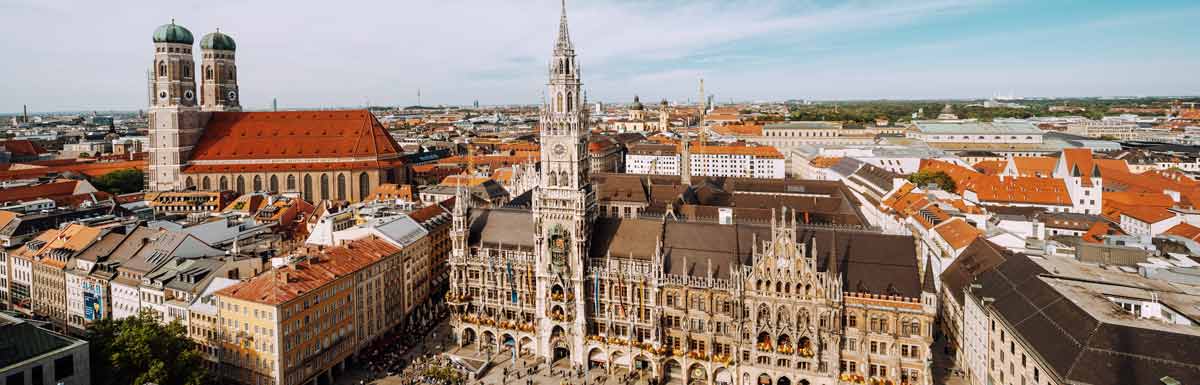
x: 563, y: 204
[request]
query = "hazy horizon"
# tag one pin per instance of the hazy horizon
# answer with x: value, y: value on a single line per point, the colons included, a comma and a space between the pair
x: 83, y: 56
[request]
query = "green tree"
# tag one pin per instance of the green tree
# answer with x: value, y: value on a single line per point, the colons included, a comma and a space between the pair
x: 939, y: 178
x: 139, y: 350
x: 121, y: 181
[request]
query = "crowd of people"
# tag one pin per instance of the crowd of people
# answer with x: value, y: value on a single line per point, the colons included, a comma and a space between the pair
x: 390, y: 353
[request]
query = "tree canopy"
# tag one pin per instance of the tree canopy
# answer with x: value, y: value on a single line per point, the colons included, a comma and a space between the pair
x: 939, y: 178
x: 139, y: 350
x: 121, y: 181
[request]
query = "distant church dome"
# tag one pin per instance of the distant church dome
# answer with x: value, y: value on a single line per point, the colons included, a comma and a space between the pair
x: 218, y: 41
x: 173, y: 33
x: 637, y: 104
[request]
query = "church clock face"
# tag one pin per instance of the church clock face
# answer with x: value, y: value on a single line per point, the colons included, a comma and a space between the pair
x: 559, y: 150
x: 232, y: 95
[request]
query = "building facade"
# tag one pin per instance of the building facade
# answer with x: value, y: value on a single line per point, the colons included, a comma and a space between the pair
x: 681, y: 302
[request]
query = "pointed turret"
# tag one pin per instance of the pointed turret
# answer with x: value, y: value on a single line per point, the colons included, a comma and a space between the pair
x: 564, y: 36
x: 927, y: 282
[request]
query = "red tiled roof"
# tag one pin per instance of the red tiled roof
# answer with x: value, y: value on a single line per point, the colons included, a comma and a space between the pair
x: 990, y: 167
x: 958, y: 233
x: 279, y: 167
x: 1147, y: 214
x: 321, y: 268
x: 1185, y: 230
x: 21, y: 147
x: 1036, y: 166
x: 1098, y: 231
x: 291, y: 135
x: 987, y: 188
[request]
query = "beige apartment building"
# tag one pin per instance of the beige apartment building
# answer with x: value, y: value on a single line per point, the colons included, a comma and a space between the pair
x: 291, y: 325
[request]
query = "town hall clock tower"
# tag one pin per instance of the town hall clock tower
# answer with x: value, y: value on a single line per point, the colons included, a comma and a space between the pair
x: 563, y: 206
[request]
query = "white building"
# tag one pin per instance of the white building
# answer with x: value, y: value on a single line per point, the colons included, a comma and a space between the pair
x: 706, y: 160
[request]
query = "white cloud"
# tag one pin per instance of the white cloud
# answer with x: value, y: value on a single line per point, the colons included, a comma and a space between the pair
x: 92, y: 55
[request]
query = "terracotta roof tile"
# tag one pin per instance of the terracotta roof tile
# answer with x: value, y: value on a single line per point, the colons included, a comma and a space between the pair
x: 1185, y: 230
x: 291, y: 135
x: 1035, y: 166
x: 990, y: 167
x: 22, y: 148
x: 957, y: 232
x: 320, y: 268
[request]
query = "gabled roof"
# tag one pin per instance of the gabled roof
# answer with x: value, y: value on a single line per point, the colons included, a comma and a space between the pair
x: 1185, y: 230
x: 294, y: 135
x: 1034, y: 166
x: 21, y: 147
x: 317, y: 270
x: 957, y: 232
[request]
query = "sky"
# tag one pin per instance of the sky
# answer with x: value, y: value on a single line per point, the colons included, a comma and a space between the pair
x: 92, y: 55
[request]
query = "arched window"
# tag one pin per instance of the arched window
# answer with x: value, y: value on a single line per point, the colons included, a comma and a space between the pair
x: 162, y: 68
x: 273, y: 184
x: 324, y: 186
x: 208, y: 73
x: 308, y: 193
x: 341, y: 187
x: 223, y: 184
x: 570, y: 101
x: 205, y: 184
x: 364, y: 186
x: 189, y: 183
x: 291, y: 183
x: 558, y: 102
x: 258, y: 183
x: 553, y: 179
x: 187, y: 71
x: 241, y: 185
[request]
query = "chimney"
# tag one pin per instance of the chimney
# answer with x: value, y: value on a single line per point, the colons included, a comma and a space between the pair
x: 25, y: 112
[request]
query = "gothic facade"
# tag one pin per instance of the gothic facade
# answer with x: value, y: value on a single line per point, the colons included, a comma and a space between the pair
x: 777, y: 303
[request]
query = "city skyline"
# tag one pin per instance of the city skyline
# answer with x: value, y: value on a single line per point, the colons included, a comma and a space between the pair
x: 494, y: 53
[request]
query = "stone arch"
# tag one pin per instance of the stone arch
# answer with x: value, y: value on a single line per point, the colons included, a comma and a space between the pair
x: 781, y: 315
x: 223, y: 184
x: 778, y: 287
x: 764, y: 313
x: 644, y: 364
x: 240, y: 185
x: 364, y: 186
x: 526, y: 346
x: 341, y: 187
x: 291, y: 183
x: 783, y: 380
x: 273, y: 183
x: 553, y: 179
x: 325, y: 186
x: 570, y: 101
x: 258, y: 185
x: 672, y: 372
x: 723, y: 376
x: 467, y: 337
x: 784, y: 340
x: 208, y: 72
x: 308, y: 188
x: 189, y: 183
x: 162, y: 68
x: 617, y: 359
x: 764, y: 379
x: 205, y: 184
x: 558, y: 102
x: 488, y: 341
x: 697, y: 374
x: 597, y: 358
x: 508, y: 342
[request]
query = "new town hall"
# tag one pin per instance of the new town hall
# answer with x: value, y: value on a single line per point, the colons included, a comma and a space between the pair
x: 772, y: 302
